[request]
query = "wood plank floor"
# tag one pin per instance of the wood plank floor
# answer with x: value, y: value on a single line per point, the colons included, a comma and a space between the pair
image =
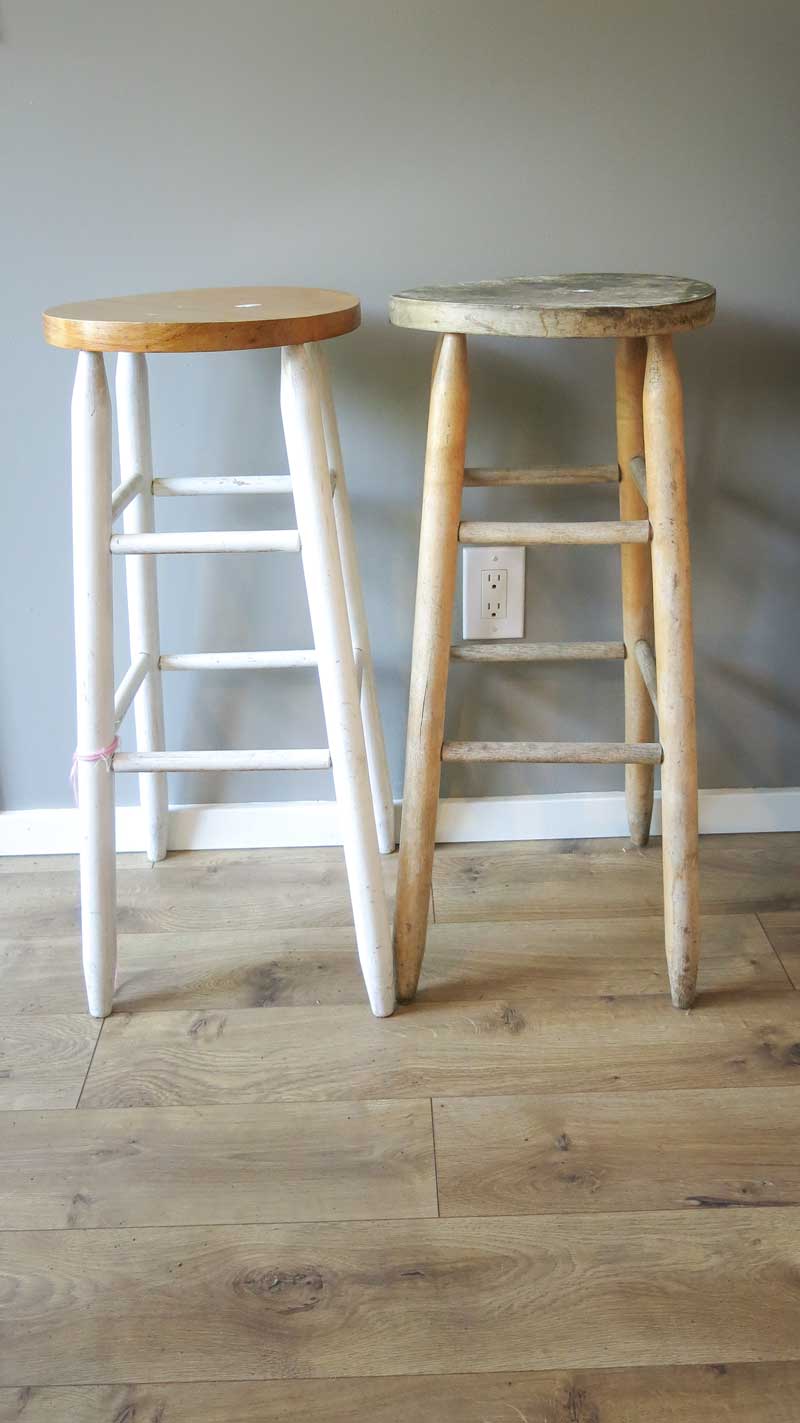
x: 538, y: 1194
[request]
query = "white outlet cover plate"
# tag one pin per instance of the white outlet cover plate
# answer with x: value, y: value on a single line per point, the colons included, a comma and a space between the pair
x: 476, y: 562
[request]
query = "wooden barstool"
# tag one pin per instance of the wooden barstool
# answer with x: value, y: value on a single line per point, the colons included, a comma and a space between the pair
x: 224, y: 319
x: 641, y: 312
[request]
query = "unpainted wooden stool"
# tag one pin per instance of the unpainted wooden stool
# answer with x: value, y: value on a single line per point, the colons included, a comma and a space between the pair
x: 641, y: 312
x: 222, y: 319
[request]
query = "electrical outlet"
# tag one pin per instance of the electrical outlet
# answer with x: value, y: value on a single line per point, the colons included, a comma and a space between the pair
x: 493, y: 593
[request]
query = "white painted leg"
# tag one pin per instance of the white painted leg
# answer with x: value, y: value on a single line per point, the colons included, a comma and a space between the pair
x: 91, y: 520
x: 135, y: 457
x: 305, y: 444
x: 382, y: 800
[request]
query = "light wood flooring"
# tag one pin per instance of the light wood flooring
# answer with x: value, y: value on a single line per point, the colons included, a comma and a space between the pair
x: 537, y: 1195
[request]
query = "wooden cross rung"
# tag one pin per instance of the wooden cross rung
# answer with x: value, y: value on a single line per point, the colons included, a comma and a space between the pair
x: 537, y: 651
x: 225, y: 484
x: 235, y: 661
x: 312, y: 760
x: 552, y: 752
x: 607, y: 531
x: 647, y: 666
x: 229, y: 541
x: 588, y: 474
x: 638, y: 471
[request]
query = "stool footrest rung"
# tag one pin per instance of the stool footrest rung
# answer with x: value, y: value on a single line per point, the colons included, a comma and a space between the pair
x: 551, y: 752
x: 235, y: 661
x: 537, y: 651
x: 311, y: 760
x: 225, y: 484
x: 230, y: 541
x: 607, y: 531
x: 588, y: 474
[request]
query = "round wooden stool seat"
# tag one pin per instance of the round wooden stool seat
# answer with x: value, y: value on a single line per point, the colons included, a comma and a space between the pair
x: 577, y: 304
x: 208, y: 319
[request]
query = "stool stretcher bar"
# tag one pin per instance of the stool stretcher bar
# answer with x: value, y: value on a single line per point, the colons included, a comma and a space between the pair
x: 229, y: 484
x: 647, y: 666
x: 493, y: 478
x: 552, y: 752
x: 313, y: 760
x: 537, y: 651
x: 232, y: 541
x: 225, y: 484
x: 608, y: 531
x: 247, y: 661
x: 638, y: 471
x: 235, y: 661
x: 128, y: 687
x: 125, y: 493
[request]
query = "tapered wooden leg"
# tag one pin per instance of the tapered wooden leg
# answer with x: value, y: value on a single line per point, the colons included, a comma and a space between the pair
x: 430, y: 657
x: 308, y: 463
x: 637, y: 588
x: 380, y: 781
x: 91, y: 523
x: 666, y: 497
x: 135, y: 458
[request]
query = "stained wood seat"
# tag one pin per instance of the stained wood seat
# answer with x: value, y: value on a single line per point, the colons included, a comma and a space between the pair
x: 207, y: 319
x: 580, y: 304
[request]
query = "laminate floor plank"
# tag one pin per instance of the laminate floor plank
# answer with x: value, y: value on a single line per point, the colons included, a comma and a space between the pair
x: 227, y: 890
x: 201, y: 1165
x: 720, y: 1393
x: 319, y: 966
x: 485, y: 1048
x: 43, y: 1061
x: 783, y: 931
x: 596, y: 879
x: 618, y: 1151
x: 400, y: 1297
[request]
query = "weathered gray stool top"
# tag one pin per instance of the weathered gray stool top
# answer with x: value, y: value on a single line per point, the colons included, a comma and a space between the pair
x: 577, y: 304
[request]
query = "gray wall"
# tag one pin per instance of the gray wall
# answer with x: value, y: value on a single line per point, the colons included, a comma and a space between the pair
x: 355, y: 144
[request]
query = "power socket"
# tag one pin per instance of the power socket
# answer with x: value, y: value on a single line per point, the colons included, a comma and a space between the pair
x: 493, y: 593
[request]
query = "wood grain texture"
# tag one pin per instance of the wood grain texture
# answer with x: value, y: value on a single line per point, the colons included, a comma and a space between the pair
x: 637, y: 584
x: 202, y: 1165
x: 783, y: 931
x: 454, y: 1049
x: 374, y: 1298
x: 598, y: 1152
x: 598, y: 878
x: 197, y: 891
x: 430, y: 654
x: 508, y: 534
x: 573, y: 304
x: 735, y: 1393
x: 43, y: 1061
x: 206, y: 319
x: 306, y: 967
x: 548, y: 752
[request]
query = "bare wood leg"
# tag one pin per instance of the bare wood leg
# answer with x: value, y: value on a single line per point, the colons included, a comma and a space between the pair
x: 94, y: 666
x: 637, y: 594
x: 438, y: 552
x: 666, y: 497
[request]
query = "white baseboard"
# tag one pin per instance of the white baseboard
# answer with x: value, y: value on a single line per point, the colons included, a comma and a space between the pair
x: 268, y: 824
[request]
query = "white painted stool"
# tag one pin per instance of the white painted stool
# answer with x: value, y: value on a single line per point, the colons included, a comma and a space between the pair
x: 223, y: 319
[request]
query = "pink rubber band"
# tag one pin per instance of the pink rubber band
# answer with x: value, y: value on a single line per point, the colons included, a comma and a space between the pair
x: 105, y: 754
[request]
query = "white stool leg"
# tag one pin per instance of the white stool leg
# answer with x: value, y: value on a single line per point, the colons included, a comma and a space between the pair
x: 135, y: 458
x: 305, y: 444
x: 380, y: 781
x: 91, y: 522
